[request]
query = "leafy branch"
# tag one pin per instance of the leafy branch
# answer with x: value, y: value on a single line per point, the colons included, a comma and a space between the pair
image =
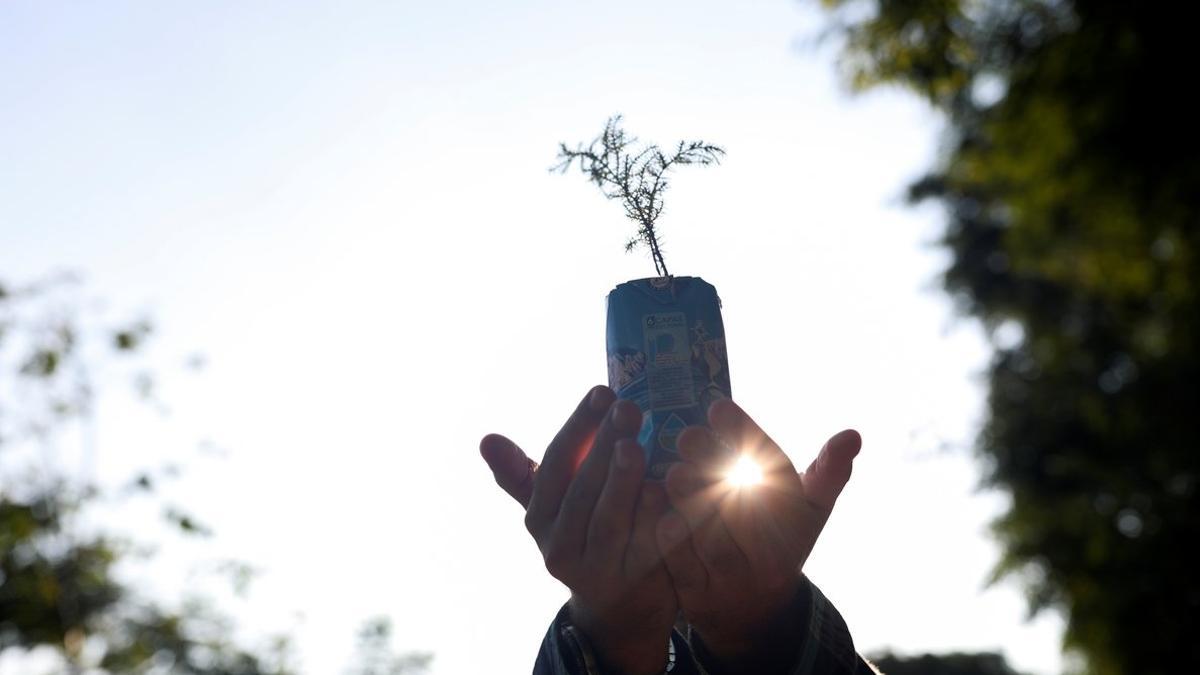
x: 635, y: 175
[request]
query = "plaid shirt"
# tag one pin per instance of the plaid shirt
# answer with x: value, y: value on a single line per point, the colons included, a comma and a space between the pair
x: 824, y: 646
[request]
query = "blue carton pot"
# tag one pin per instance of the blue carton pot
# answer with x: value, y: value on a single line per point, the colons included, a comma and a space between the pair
x: 666, y: 352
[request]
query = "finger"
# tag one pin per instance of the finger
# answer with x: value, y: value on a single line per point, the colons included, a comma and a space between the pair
x: 719, y: 551
x: 642, y: 556
x: 574, y: 517
x: 783, y: 530
x: 688, y: 575
x: 612, y: 519
x: 701, y: 502
x: 693, y: 493
x: 511, y: 467
x: 774, y: 553
x: 768, y: 530
x: 701, y: 446
x: 562, y: 458
x: 745, y: 436
x: 830, y: 471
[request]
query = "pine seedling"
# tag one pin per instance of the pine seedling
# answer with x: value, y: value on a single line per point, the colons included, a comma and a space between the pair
x: 635, y: 174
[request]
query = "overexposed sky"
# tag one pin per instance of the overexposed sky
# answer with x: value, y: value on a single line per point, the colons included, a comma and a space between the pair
x: 346, y: 208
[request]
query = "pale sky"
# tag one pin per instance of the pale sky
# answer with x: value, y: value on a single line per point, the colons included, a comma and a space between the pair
x: 345, y: 207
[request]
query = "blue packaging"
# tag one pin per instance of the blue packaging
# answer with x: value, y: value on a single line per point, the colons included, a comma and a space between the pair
x: 666, y: 352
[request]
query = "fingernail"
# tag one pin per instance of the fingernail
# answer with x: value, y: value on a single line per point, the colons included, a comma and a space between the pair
x: 599, y: 399
x: 696, y: 439
x: 721, y: 408
x: 625, y: 418
x: 715, y: 406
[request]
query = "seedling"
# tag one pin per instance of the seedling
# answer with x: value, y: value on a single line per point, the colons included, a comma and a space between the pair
x: 637, y: 175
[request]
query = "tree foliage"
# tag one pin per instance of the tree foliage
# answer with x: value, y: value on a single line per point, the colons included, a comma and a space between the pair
x: 1070, y: 176
x: 957, y: 663
x: 375, y: 655
x: 59, y: 586
x: 636, y: 175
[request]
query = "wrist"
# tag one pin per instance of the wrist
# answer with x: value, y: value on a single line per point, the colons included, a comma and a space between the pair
x: 620, y: 646
x: 764, y: 650
x: 767, y: 641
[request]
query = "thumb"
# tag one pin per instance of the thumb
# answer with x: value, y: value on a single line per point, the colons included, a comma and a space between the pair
x: 830, y: 471
x: 511, y: 467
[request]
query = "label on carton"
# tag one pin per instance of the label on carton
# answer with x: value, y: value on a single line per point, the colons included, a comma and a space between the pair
x: 668, y: 361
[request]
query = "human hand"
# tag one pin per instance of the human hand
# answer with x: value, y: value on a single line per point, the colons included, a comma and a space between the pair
x: 735, y: 553
x: 593, y: 519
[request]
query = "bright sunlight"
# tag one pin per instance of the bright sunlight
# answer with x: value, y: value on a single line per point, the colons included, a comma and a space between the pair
x: 744, y: 472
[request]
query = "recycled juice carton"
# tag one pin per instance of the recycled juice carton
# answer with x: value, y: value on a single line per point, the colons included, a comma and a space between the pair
x: 666, y: 352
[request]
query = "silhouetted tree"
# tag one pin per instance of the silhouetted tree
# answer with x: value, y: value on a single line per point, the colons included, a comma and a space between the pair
x: 1071, y: 181
x: 956, y: 663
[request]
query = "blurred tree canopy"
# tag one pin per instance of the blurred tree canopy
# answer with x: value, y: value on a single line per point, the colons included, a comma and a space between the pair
x: 375, y: 655
x: 1070, y: 174
x: 65, y: 604
x: 62, y: 601
x: 985, y: 663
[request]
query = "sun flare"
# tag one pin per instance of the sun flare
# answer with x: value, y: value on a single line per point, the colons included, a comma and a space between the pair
x: 744, y: 472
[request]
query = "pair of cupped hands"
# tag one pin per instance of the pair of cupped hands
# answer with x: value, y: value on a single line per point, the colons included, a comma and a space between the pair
x: 634, y: 553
